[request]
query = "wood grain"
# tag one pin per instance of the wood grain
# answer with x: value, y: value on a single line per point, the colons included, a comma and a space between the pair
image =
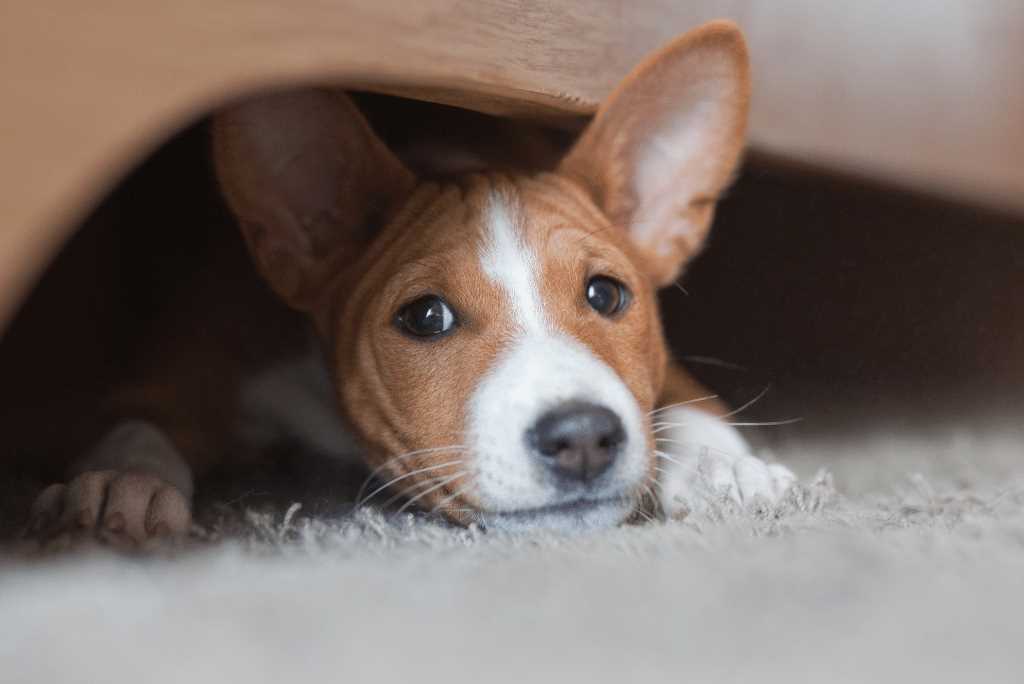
x: 921, y: 93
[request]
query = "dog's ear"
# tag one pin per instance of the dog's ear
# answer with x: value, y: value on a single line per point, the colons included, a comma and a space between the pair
x: 664, y: 144
x: 308, y: 181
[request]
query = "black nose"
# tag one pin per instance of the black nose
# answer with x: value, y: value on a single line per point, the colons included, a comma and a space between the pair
x: 578, y: 440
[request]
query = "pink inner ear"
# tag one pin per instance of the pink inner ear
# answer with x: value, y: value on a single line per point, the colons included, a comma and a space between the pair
x: 664, y: 145
x: 683, y: 160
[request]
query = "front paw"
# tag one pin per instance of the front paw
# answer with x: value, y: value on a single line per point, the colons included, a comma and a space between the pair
x: 704, y: 462
x: 126, y: 510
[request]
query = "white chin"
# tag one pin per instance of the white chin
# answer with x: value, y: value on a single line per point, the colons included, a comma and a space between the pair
x: 579, y: 516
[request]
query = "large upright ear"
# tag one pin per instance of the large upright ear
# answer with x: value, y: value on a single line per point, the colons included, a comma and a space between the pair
x: 308, y: 181
x: 664, y: 144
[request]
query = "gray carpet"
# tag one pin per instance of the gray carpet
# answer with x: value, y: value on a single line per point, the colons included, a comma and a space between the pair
x: 899, y: 558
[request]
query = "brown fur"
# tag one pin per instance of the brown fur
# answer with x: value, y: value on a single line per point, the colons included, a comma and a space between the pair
x: 342, y: 231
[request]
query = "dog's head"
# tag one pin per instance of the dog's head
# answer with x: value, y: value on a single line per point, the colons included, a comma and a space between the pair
x: 496, y: 339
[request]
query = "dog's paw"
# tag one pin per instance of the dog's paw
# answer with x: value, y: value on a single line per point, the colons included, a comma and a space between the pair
x: 126, y: 510
x: 131, y: 491
x: 704, y: 462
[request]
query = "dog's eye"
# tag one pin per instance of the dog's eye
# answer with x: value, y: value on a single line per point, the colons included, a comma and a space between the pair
x: 607, y: 296
x: 426, y: 317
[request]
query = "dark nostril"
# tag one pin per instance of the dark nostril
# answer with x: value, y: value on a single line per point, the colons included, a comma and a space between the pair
x: 578, y: 439
x: 558, y: 446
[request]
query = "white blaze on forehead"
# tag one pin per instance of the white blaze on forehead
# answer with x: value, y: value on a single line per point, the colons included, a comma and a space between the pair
x: 540, y: 368
x: 510, y: 264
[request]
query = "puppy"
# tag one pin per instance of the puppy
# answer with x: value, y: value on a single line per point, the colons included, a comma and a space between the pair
x: 490, y: 342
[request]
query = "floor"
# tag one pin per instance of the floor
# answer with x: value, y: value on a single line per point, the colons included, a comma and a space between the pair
x: 899, y: 560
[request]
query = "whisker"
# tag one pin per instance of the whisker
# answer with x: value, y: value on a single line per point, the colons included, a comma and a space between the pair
x: 654, y: 502
x: 768, y: 423
x: 444, y: 501
x: 705, y: 449
x: 639, y: 510
x: 437, y: 486
x: 362, y: 502
x: 664, y: 426
x: 418, y: 485
x: 662, y: 454
x: 747, y: 405
x: 402, y: 457
x: 712, y: 361
x: 634, y: 498
x: 659, y: 410
x: 681, y: 442
x: 665, y: 423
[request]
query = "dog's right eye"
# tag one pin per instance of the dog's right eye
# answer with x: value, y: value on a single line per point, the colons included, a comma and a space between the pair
x: 426, y: 317
x: 607, y: 296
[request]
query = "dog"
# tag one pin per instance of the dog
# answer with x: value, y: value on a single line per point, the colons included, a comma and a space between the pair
x: 489, y: 342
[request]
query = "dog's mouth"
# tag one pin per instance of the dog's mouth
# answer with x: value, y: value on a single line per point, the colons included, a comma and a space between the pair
x: 572, y: 516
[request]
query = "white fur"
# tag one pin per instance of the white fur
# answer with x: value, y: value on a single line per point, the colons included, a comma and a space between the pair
x: 511, y: 265
x: 705, y: 460
x: 139, y: 446
x: 540, y: 368
x: 294, y: 401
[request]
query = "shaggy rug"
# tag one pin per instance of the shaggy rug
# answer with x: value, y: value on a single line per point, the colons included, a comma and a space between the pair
x: 902, y: 560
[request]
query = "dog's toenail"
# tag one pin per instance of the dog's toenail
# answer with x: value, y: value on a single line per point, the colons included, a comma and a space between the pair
x: 115, y: 522
x: 161, y: 530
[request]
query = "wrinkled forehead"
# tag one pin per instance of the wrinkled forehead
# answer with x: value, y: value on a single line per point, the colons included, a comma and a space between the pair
x: 500, y: 250
x: 548, y: 215
x: 490, y: 223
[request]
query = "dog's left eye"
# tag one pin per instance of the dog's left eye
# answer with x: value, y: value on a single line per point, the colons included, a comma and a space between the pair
x: 607, y: 296
x: 426, y: 317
